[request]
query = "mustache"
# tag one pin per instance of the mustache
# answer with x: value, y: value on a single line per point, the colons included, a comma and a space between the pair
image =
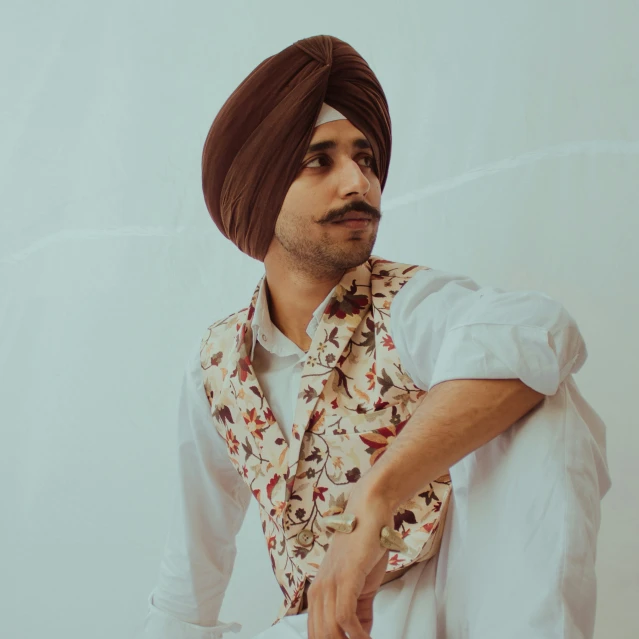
x: 362, y: 207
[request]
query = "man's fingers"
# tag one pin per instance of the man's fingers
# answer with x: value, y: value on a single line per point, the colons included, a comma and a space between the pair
x: 330, y: 627
x: 346, y: 614
x: 365, y: 613
x: 313, y: 623
x: 321, y: 614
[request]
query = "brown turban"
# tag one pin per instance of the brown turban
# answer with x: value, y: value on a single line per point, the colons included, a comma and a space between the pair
x: 260, y: 136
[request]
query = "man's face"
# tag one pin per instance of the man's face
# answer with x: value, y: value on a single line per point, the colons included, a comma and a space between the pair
x: 336, y: 180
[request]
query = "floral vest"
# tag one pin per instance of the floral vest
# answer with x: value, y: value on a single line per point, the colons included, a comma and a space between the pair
x: 353, y: 401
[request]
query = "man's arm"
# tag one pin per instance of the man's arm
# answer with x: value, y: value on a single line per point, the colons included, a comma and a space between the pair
x: 446, y: 327
x: 454, y: 419
x: 209, y: 508
x: 487, y: 357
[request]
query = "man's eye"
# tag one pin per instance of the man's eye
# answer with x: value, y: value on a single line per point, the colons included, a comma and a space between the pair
x: 321, y: 157
x: 370, y: 158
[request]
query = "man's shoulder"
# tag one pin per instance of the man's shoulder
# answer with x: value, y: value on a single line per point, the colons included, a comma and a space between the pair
x: 221, y: 335
x: 381, y: 267
x: 231, y: 322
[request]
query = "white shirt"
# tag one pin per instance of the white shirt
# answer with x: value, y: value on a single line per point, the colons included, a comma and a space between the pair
x: 444, y: 327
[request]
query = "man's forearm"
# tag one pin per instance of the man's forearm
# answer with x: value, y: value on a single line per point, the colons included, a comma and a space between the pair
x: 454, y: 419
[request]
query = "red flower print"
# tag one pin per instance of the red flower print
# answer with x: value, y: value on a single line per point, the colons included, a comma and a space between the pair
x: 380, y: 440
x: 254, y: 423
x: 224, y: 414
x: 319, y: 492
x: 371, y: 376
x: 379, y: 404
x: 394, y: 560
x: 352, y: 304
x: 244, y: 366
x: 231, y: 442
x: 317, y: 418
x: 271, y: 485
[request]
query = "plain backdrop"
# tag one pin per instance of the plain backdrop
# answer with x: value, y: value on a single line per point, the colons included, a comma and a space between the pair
x: 515, y: 161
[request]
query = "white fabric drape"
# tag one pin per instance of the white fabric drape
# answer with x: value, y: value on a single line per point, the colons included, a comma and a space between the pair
x: 531, y: 500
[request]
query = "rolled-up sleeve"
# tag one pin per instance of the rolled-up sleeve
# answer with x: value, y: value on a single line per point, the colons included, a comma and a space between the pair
x: 209, y: 508
x: 446, y: 327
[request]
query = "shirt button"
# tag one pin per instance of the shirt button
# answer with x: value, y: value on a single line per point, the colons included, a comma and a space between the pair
x: 305, y: 537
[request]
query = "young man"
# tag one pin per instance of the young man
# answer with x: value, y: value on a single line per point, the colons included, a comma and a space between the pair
x: 420, y: 454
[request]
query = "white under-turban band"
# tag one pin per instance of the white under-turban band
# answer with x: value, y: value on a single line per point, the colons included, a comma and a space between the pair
x: 328, y: 114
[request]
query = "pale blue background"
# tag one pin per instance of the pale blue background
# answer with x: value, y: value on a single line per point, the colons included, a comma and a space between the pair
x: 515, y: 161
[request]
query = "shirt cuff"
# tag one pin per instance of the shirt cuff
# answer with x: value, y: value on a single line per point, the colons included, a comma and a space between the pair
x: 497, y: 351
x: 161, y: 625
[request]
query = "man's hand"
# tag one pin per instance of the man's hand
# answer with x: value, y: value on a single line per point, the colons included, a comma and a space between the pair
x: 455, y: 418
x: 340, y: 599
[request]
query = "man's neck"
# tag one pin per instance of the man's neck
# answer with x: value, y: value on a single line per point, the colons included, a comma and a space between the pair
x: 293, y: 297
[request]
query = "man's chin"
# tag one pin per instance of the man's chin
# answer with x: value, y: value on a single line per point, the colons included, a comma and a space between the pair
x: 328, y: 257
x: 354, y: 257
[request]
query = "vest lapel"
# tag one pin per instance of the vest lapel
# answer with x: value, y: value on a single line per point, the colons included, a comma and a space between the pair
x: 266, y: 431
x: 341, y: 317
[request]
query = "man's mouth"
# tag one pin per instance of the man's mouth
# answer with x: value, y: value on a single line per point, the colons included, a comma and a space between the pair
x: 354, y: 216
x: 354, y: 222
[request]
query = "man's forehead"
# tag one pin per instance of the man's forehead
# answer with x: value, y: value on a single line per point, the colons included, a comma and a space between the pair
x: 332, y: 134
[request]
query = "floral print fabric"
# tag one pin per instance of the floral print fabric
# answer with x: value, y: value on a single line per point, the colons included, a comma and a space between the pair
x: 354, y: 400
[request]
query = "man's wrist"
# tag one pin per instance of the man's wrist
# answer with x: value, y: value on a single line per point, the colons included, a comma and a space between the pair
x: 369, y: 493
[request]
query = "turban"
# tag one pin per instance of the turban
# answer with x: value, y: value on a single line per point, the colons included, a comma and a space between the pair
x: 256, y: 144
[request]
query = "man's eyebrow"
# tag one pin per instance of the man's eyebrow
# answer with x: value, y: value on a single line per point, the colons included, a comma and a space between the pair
x: 359, y: 143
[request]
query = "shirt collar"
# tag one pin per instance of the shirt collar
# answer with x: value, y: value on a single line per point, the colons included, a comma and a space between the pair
x: 270, y: 337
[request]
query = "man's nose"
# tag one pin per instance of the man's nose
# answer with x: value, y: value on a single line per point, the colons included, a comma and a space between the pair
x: 352, y: 178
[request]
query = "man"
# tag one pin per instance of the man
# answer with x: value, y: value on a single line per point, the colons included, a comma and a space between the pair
x: 423, y: 462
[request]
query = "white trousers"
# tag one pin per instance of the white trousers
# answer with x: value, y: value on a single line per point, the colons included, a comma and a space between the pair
x: 518, y: 554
